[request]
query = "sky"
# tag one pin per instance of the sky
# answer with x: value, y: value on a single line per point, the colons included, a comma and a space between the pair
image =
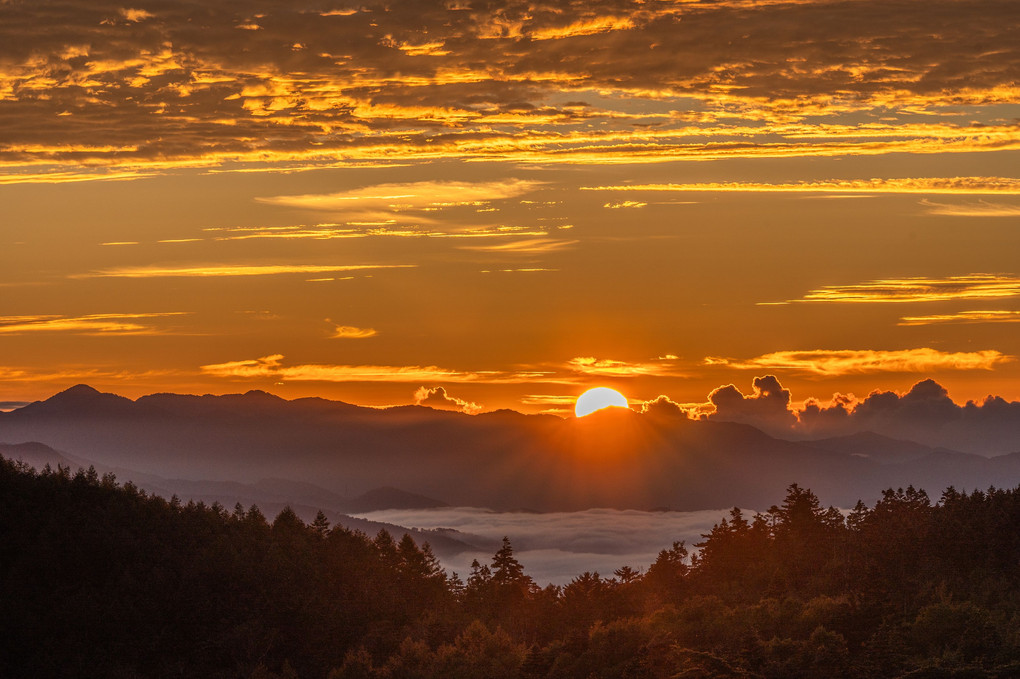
x: 499, y: 205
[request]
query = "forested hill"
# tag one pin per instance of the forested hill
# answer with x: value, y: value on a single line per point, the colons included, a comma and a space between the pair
x: 101, y: 580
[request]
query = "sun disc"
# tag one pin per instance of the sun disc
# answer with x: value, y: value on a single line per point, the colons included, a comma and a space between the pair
x: 597, y: 399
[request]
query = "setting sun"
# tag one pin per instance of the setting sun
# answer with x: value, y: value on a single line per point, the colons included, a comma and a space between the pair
x: 597, y: 399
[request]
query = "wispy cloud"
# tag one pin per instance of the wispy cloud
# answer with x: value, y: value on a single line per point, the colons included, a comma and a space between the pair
x: 352, y: 332
x: 987, y: 316
x: 964, y: 185
x: 273, y: 367
x: 916, y: 289
x: 979, y: 209
x: 844, y: 362
x: 528, y: 246
x: 381, y: 201
x: 603, y: 367
x: 69, y: 374
x: 92, y: 324
x: 232, y: 270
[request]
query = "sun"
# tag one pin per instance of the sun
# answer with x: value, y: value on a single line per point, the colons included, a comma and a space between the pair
x: 597, y: 399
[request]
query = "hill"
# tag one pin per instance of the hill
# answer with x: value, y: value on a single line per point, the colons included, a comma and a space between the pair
x: 502, y: 460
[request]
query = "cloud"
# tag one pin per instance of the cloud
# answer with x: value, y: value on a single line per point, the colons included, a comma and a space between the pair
x: 625, y: 204
x: 232, y: 270
x: 529, y: 246
x: 664, y: 407
x: 966, y: 185
x: 92, y: 324
x: 272, y: 367
x: 917, y: 289
x: 924, y: 414
x: 767, y: 406
x: 351, y: 332
x: 557, y: 546
x: 582, y: 82
x: 383, y: 201
x: 979, y: 209
x: 846, y: 362
x: 604, y: 367
x: 987, y: 316
x: 437, y: 397
x: 549, y: 399
x: 74, y: 374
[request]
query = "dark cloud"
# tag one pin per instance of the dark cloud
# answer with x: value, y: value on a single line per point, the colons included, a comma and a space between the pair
x: 663, y: 407
x: 163, y: 80
x: 436, y: 397
x: 925, y: 414
x: 767, y: 407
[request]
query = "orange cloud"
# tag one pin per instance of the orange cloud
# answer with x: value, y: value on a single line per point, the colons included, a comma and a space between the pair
x: 294, y: 84
x: 830, y: 363
x: 92, y: 324
x: 272, y: 367
x: 987, y: 316
x: 524, y: 247
x: 968, y: 185
x: 232, y: 270
x: 382, y: 200
x: 980, y: 209
x: 918, y: 289
x: 437, y: 397
x: 589, y: 365
x: 351, y: 332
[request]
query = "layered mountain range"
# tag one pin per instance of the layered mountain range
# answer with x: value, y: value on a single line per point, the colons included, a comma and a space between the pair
x: 317, y: 453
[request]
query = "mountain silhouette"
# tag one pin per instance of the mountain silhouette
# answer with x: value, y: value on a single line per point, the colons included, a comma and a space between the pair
x: 503, y: 460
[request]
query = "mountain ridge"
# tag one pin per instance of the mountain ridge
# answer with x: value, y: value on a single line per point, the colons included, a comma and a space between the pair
x: 501, y: 460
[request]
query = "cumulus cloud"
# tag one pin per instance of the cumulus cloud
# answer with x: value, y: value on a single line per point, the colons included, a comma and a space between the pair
x: 437, y: 397
x: 925, y: 414
x: 663, y: 406
x: 766, y: 407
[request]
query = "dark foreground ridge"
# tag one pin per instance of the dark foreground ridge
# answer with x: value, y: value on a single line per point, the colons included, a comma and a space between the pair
x: 103, y: 580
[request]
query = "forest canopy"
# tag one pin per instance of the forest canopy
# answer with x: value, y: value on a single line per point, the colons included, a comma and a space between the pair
x: 99, y: 578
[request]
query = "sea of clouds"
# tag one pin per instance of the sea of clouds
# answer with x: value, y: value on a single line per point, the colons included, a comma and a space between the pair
x: 556, y: 547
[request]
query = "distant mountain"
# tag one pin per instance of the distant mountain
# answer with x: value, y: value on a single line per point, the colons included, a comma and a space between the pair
x: 36, y: 455
x: 271, y: 496
x: 502, y: 460
x: 872, y: 446
x: 390, y: 498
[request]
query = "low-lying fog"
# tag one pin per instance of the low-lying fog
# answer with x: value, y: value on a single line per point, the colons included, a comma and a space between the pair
x: 558, y: 546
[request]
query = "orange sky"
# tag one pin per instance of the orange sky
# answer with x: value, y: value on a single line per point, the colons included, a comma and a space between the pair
x: 515, y: 202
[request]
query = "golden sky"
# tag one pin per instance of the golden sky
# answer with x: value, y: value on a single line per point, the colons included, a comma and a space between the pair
x: 498, y: 205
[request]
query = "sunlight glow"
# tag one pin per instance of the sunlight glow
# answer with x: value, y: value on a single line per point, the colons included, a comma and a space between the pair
x: 597, y: 399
